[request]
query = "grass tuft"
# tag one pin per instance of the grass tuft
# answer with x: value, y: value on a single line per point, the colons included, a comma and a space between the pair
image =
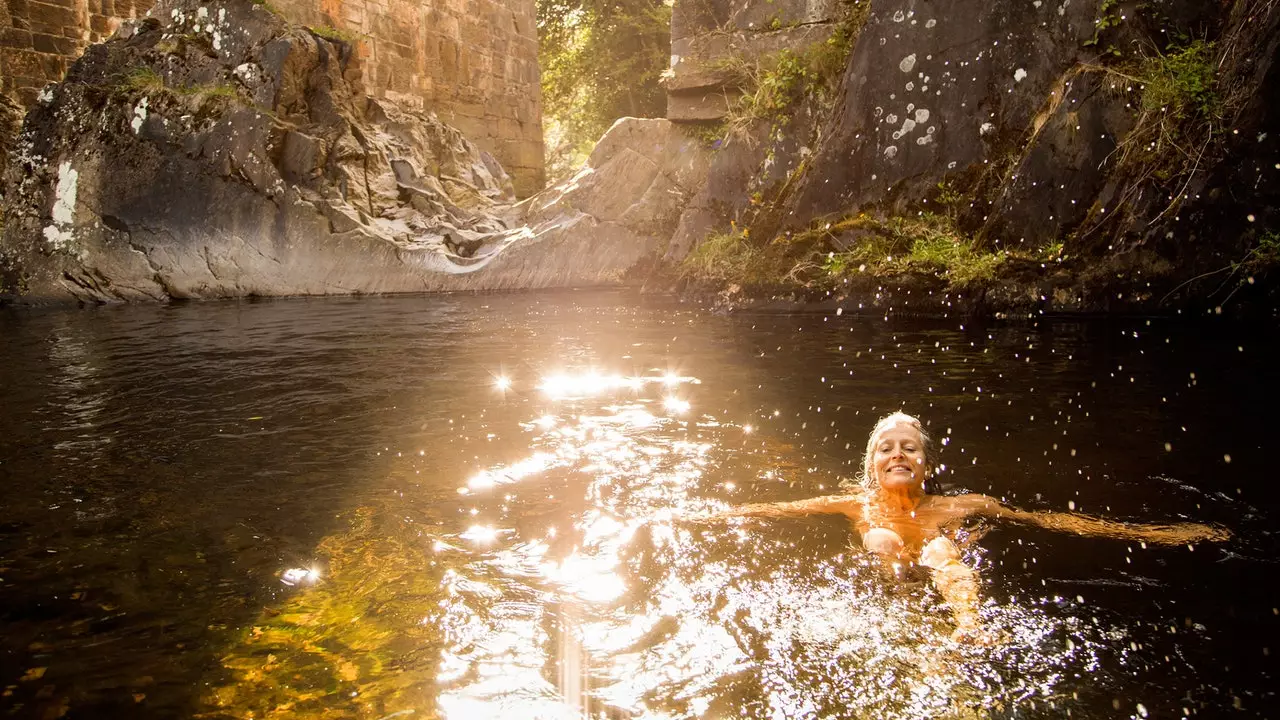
x: 824, y: 255
x: 332, y: 33
x: 731, y: 257
x: 924, y: 243
x: 142, y: 80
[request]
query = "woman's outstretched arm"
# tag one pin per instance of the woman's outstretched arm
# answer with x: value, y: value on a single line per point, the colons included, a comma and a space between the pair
x: 1080, y: 524
x: 828, y: 504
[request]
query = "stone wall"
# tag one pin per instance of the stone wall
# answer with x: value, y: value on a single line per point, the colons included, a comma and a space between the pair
x: 709, y: 37
x: 39, y: 40
x: 473, y: 62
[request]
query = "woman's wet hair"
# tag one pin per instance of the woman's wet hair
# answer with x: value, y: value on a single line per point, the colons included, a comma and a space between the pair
x: 866, y: 478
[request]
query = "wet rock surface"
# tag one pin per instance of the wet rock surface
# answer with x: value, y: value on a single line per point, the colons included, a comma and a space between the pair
x: 1026, y: 126
x: 216, y: 151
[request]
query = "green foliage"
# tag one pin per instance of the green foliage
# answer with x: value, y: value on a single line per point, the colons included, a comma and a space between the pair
x: 1108, y: 17
x: 1178, y: 129
x: 332, y: 33
x: 773, y: 85
x: 948, y: 197
x: 710, y: 135
x: 770, y: 86
x: 145, y: 81
x: 1181, y: 83
x: 600, y: 61
x: 1266, y: 254
x: 1053, y: 251
x: 819, y: 256
x: 732, y: 257
x: 924, y: 243
x: 828, y: 59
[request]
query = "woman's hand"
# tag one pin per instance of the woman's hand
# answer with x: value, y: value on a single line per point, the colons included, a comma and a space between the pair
x: 939, y: 552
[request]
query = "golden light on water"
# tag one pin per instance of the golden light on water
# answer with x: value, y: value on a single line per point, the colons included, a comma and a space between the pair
x: 676, y: 405
x: 588, y: 384
x: 300, y: 576
x: 480, y: 534
x: 566, y: 582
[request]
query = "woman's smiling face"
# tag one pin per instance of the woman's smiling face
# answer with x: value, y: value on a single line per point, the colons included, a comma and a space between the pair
x: 899, y: 457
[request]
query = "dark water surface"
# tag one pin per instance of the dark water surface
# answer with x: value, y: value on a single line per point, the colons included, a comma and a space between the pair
x: 331, y: 509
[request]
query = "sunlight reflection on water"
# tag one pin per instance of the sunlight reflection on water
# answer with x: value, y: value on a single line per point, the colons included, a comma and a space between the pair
x: 652, y: 619
x: 477, y: 507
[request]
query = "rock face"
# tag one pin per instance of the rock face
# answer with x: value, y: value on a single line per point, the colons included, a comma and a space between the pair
x: 473, y: 62
x: 1032, y: 124
x: 1029, y: 111
x: 636, y: 184
x: 220, y: 152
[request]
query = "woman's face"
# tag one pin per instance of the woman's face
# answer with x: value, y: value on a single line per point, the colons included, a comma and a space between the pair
x: 898, y: 459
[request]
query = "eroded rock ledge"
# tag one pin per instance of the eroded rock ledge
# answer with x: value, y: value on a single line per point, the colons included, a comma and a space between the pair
x: 215, y: 151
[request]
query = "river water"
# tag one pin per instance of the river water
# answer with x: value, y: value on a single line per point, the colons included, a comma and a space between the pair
x: 468, y: 507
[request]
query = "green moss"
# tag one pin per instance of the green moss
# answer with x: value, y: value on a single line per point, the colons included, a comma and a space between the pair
x: 732, y: 257
x: 710, y: 135
x: 822, y: 255
x: 924, y: 243
x: 1181, y: 83
x: 200, y: 93
x: 332, y: 33
x: 1265, y: 254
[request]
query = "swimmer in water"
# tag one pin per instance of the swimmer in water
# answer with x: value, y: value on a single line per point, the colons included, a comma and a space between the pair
x: 898, y: 520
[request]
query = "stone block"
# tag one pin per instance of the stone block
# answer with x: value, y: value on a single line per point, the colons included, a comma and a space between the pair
x: 50, y: 18
x: 781, y: 14
x: 103, y: 24
x: 475, y: 33
x: 23, y: 63
x: 18, y: 14
x: 54, y: 67
x: 53, y: 45
x: 14, y: 38
x: 27, y: 94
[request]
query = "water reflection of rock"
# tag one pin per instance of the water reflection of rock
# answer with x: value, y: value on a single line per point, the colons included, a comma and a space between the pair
x: 361, y: 641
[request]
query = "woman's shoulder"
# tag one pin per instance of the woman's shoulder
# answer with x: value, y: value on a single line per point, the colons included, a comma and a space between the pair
x: 968, y: 503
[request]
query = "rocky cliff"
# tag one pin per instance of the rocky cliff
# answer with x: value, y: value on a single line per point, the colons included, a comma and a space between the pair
x: 999, y: 156
x: 217, y: 151
x: 1057, y: 155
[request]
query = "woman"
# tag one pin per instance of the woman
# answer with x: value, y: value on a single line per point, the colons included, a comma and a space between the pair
x: 897, y: 519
